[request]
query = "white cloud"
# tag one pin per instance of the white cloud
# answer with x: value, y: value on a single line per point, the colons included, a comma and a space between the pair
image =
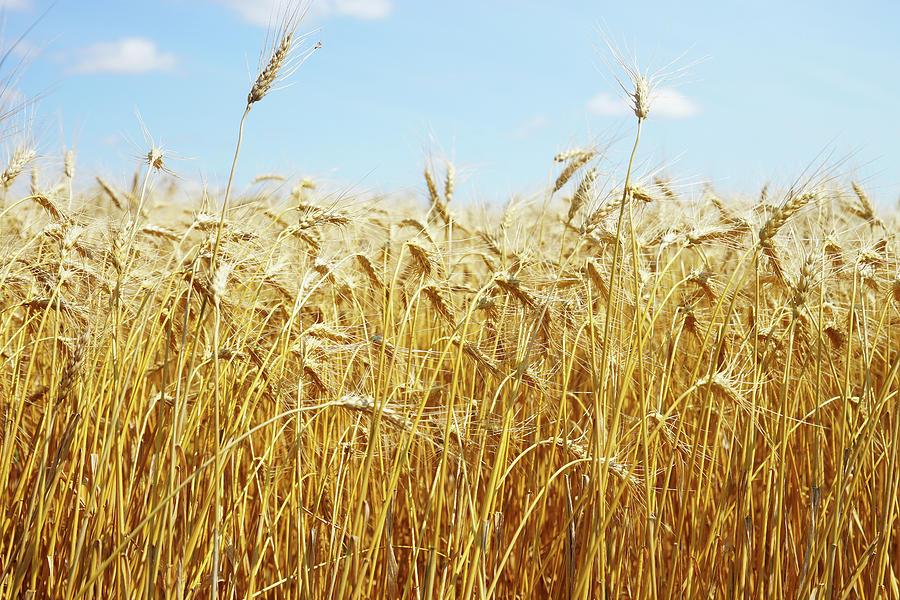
x: 665, y: 103
x: 672, y: 104
x: 261, y: 12
x: 113, y: 139
x: 363, y: 9
x: 15, y: 5
x: 20, y: 47
x: 258, y: 12
x: 529, y: 126
x: 128, y: 55
x: 605, y: 104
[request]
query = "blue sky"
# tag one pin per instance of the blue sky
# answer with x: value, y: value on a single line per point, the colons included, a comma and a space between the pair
x: 499, y: 86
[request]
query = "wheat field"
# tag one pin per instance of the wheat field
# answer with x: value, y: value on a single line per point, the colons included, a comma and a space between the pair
x: 621, y: 387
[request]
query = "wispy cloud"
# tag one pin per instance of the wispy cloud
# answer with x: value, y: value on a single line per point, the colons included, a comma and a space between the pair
x: 16, y: 5
x: 362, y: 9
x: 19, y: 47
x: 112, y: 140
x: 261, y: 12
x: 125, y: 56
x: 605, y: 104
x: 666, y: 103
x: 529, y: 126
x: 258, y: 12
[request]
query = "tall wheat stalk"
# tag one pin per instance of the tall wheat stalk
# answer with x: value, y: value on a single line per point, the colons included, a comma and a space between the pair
x: 286, y: 55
